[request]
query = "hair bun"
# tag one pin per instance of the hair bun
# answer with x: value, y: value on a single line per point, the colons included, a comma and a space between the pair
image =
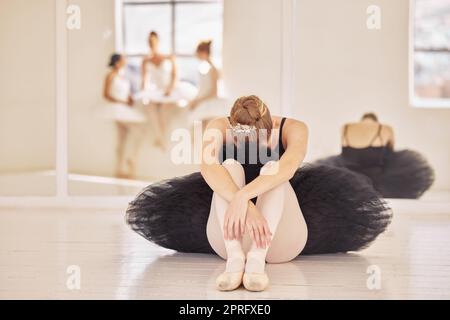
x: 115, y: 57
x: 204, y: 46
x: 251, y: 110
x: 249, y: 102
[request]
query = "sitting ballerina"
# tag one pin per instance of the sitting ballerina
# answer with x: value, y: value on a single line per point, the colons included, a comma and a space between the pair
x: 207, y: 105
x: 368, y: 149
x: 252, y: 204
x: 160, y: 87
x: 117, y: 91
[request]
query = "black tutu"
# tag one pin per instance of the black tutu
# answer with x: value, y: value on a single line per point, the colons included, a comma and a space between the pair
x: 342, y: 211
x: 404, y: 174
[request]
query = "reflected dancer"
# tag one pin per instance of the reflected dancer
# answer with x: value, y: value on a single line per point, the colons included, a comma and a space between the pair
x: 207, y: 105
x: 368, y: 149
x: 161, y: 89
x: 117, y: 91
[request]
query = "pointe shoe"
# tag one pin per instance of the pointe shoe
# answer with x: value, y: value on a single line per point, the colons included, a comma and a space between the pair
x: 228, y: 281
x: 255, y: 281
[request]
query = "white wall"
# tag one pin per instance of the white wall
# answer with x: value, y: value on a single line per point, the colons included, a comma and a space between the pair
x: 252, y: 49
x: 91, y: 140
x: 343, y: 69
x: 27, y: 85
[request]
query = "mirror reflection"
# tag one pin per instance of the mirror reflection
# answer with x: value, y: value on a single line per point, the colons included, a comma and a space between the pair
x: 368, y: 149
x: 165, y: 74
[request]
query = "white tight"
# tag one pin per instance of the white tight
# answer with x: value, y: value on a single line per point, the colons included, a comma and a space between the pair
x: 127, y: 134
x: 280, y: 208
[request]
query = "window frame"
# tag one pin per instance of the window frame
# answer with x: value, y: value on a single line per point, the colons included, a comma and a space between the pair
x: 120, y: 27
x: 414, y: 100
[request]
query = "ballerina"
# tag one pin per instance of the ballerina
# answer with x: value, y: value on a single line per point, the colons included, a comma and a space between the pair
x: 117, y: 91
x: 207, y: 105
x: 251, y: 203
x: 368, y: 149
x: 161, y: 88
x: 159, y: 73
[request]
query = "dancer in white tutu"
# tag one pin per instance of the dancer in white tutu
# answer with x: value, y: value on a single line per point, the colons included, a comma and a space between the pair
x: 207, y: 105
x: 117, y: 92
x: 160, y: 87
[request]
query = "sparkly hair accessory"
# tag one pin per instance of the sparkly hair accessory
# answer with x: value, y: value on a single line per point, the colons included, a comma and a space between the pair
x: 242, y: 130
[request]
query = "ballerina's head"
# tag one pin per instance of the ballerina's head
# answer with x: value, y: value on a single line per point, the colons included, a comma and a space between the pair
x: 369, y: 116
x: 153, y: 41
x: 204, y: 50
x: 250, y: 120
x: 117, y: 61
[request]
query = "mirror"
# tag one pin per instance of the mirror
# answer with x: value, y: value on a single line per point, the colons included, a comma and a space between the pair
x: 341, y: 72
x: 121, y: 115
x: 125, y: 116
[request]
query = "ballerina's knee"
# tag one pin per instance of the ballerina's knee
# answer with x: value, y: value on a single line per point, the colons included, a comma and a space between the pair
x: 231, y: 162
x: 236, y: 170
x: 270, y: 168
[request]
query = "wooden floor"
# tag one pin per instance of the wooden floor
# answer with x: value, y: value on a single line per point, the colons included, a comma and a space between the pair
x: 38, y: 245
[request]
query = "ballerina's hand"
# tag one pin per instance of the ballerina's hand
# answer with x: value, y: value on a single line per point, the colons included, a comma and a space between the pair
x: 234, y: 222
x: 192, y: 105
x: 130, y: 101
x: 167, y: 92
x: 258, y: 228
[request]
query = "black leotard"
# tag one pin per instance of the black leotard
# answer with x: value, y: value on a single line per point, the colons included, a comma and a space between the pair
x: 250, y: 158
x: 369, y: 160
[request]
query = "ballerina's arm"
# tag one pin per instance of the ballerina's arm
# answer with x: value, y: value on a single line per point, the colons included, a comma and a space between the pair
x: 215, y: 175
x: 212, y: 92
x: 173, y: 75
x: 221, y: 182
x: 296, y: 134
x: 391, y: 141
x: 144, y: 74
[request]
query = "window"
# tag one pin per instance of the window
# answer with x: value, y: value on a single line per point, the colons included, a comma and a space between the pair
x: 181, y: 25
x: 430, y: 53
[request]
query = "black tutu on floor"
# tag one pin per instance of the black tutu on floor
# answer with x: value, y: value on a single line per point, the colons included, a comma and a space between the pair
x: 400, y: 174
x: 342, y: 211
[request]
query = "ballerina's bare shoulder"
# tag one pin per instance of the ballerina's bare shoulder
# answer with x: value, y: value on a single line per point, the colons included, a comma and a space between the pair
x: 364, y: 134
